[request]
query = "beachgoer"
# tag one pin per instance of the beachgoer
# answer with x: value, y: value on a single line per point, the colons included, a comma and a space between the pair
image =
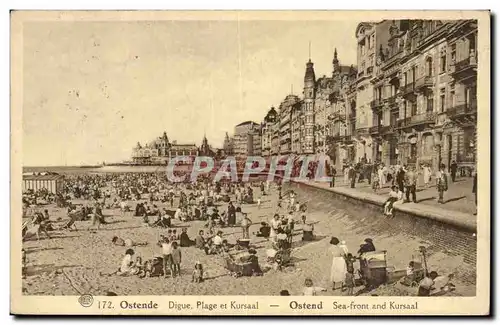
x: 338, y: 270
x: 310, y: 289
x: 197, y: 273
x: 176, y: 260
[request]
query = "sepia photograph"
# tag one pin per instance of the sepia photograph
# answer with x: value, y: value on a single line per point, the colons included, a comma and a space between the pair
x: 250, y: 154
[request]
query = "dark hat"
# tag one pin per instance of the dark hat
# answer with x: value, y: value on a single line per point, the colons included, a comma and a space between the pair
x: 252, y: 251
x: 334, y: 241
x: 368, y: 240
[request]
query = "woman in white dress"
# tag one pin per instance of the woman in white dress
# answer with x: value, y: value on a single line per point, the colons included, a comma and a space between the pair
x: 427, y: 175
x: 339, y: 268
x: 275, y: 224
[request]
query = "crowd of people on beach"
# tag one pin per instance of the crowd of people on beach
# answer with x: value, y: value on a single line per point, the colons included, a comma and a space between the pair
x: 219, y: 205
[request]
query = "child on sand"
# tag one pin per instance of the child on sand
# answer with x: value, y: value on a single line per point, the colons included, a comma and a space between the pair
x: 349, y: 277
x: 176, y: 260
x: 197, y: 273
x: 309, y: 289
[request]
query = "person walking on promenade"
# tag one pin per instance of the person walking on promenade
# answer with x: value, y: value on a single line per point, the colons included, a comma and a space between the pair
x: 453, y: 170
x: 375, y: 180
x: 474, y: 189
x: 400, y: 177
x: 411, y: 185
x: 381, y: 175
x: 352, y: 176
x: 333, y: 174
x: 346, y: 174
x: 442, y: 183
x: 427, y: 175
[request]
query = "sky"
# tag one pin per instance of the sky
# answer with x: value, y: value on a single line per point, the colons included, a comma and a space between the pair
x: 92, y: 90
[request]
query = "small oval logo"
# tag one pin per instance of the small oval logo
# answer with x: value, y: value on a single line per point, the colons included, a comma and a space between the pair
x: 86, y: 300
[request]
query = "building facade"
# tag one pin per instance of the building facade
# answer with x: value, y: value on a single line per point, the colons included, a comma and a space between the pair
x: 365, y: 36
x: 270, y: 120
x: 424, y: 103
x: 161, y: 150
x: 246, y: 139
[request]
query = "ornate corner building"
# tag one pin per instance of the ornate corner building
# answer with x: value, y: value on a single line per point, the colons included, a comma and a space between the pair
x: 416, y: 92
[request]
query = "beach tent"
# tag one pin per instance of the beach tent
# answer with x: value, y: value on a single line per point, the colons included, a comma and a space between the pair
x: 52, y: 183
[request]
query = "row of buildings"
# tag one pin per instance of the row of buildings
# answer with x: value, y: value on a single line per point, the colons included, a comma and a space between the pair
x: 411, y: 99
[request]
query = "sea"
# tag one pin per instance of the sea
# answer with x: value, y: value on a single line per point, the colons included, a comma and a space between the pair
x: 94, y: 170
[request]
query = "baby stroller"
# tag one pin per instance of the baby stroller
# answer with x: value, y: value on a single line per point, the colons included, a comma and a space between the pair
x: 153, y: 268
x: 279, y: 258
x: 242, y: 244
x: 238, y: 269
x: 373, y: 268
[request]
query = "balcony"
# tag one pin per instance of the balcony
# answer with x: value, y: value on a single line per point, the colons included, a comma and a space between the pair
x: 362, y: 132
x: 412, y: 160
x: 375, y: 104
x: 408, y: 89
x: 337, y: 115
x: 464, y: 114
x: 465, y: 68
x: 424, y: 82
x: 386, y: 129
x: 391, y: 102
x: 374, y: 130
x: 419, y: 119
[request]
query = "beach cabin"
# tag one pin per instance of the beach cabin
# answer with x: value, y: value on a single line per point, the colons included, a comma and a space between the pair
x: 53, y: 183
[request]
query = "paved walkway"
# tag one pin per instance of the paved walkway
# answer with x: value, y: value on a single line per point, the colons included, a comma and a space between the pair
x: 459, y: 196
x: 458, y: 208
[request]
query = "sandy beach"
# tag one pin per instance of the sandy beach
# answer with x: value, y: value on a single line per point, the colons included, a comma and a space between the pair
x: 71, y: 262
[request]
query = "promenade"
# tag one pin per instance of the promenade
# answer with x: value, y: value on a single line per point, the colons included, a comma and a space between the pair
x: 459, y: 196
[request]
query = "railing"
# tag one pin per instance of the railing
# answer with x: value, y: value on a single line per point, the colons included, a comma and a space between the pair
x: 423, y: 118
x: 466, y: 159
x: 462, y: 109
x: 428, y: 117
x: 426, y: 81
x: 466, y: 63
x: 412, y: 160
x: 386, y: 129
x: 391, y: 100
x: 376, y: 103
x: 347, y: 138
x: 362, y: 131
x: 375, y: 129
x: 408, y: 88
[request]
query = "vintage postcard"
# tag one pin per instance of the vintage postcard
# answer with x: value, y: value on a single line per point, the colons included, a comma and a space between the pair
x: 250, y: 163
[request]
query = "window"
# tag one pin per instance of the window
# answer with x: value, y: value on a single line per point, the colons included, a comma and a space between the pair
x: 428, y: 144
x: 414, y: 110
x: 443, y: 62
x: 413, y: 73
x: 453, y: 55
x: 369, y: 40
x: 428, y: 67
x: 442, y: 98
x: 405, y: 78
x: 430, y: 103
x: 413, y: 150
x: 452, y: 95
